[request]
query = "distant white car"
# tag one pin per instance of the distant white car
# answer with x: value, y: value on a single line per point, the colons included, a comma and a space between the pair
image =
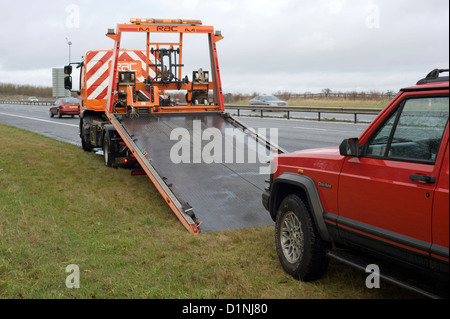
x: 267, y: 100
x: 33, y: 99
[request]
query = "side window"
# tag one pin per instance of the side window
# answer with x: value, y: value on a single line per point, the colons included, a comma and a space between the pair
x: 379, y: 144
x: 412, y: 133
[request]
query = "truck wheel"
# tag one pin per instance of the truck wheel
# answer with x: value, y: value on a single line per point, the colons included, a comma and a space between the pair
x: 85, y: 139
x: 107, y: 152
x: 301, y: 250
x: 86, y: 147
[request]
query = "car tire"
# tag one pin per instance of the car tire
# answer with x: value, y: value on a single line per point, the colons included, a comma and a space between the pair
x: 301, y: 250
x: 51, y: 114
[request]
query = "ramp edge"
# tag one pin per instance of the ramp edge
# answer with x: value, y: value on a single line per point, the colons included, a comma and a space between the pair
x: 165, y: 191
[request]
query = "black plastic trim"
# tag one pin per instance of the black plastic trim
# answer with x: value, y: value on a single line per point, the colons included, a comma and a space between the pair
x: 439, y: 251
x: 425, y: 88
x: 400, y: 239
x: 433, y: 76
x: 391, y: 273
x: 308, y: 185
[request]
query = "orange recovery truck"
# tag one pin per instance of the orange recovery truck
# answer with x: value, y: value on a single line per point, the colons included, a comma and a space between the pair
x: 138, y: 109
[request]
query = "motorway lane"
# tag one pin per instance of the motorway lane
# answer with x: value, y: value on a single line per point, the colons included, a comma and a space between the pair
x: 36, y: 118
x: 296, y: 135
x: 292, y: 134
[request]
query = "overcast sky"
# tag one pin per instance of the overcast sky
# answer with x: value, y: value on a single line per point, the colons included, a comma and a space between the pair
x: 269, y: 45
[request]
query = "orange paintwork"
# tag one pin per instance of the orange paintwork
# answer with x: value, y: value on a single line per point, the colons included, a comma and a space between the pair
x: 158, y: 26
x: 99, y: 97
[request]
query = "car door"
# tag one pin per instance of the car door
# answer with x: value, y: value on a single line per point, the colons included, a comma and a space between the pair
x: 440, y: 220
x: 386, y: 195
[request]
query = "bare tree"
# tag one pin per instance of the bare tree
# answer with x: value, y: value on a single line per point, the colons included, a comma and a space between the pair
x: 326, y: 92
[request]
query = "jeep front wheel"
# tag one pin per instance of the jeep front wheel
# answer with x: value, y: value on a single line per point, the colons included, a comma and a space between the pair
x: 301, y: 250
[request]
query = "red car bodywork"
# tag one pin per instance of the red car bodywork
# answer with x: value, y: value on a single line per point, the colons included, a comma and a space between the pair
x: 65, y: 106
x: 392, y: 207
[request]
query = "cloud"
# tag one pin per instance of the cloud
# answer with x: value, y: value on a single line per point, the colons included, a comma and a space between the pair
x: 269, y: 46
x: 37, y: 77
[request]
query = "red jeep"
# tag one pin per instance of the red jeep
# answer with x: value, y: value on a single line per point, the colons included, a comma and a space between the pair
x: 379, y: 198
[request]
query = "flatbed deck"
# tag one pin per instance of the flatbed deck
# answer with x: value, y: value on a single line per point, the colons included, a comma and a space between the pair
x: 222, y: 195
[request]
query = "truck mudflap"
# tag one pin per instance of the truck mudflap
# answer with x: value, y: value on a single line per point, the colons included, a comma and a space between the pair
x: 218, y: 194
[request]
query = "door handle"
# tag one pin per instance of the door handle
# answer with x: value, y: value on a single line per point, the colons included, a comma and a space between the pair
x: 423, y: 178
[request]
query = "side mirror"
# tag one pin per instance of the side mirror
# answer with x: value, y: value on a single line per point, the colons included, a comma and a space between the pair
x: 68, y: 69
x: 349, y: 147
x: 68, y: 82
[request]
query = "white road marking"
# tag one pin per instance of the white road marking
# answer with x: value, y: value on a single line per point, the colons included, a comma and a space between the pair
x: 36, y: 119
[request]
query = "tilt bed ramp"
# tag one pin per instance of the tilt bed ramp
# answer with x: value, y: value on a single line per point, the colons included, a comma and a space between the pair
x: 133, y: 88
x: 223, y: 194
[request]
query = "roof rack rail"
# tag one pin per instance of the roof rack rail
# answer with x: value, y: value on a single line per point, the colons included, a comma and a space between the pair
x: 433, y: 76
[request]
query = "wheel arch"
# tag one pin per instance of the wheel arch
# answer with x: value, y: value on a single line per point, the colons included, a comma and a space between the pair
x: 305, y: 187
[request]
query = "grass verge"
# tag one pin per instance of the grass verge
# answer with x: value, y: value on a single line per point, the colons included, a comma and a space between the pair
x: 62, y: 206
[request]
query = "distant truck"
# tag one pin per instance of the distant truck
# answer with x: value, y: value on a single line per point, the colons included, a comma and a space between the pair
x: 382, y: 198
